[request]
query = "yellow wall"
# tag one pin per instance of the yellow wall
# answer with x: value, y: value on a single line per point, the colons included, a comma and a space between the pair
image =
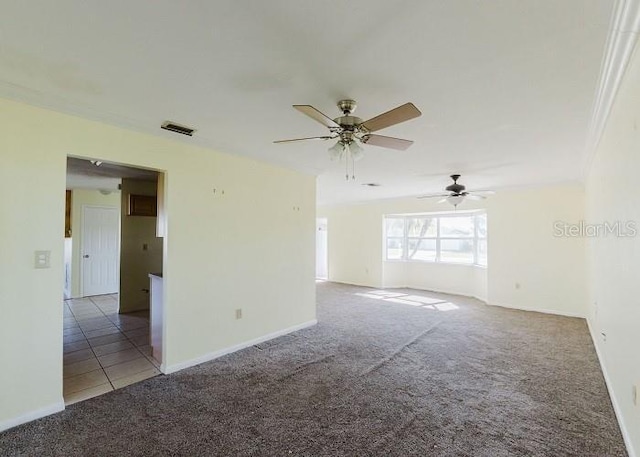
x: 248, y: 248
x: 81, y: 197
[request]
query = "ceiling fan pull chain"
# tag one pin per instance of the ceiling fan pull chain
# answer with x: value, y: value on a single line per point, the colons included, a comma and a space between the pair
x: 353, y: 168
x: 346, y: 167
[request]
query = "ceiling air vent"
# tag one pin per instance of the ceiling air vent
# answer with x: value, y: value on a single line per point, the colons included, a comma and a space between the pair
x: 371, y: 184
x: 173, y: 127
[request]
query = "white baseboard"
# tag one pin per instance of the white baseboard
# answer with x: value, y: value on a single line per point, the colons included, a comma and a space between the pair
x: 448, y: 292
x: 539, y: 310
x: 607, y: 380
x: 214, y: 355
x: 31, y: 416
x: 437, y: 291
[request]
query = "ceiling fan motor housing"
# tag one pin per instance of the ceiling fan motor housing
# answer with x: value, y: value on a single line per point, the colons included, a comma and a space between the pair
x: 455, y: 187
x: 347, y: 106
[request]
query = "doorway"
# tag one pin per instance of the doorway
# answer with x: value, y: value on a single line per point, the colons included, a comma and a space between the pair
x: 100, y: 251
x: 114, y: 247
x: 322, y: 257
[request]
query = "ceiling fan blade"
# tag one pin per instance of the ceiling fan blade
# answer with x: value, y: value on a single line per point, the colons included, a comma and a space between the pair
x: 304, y: 139
x: 393, y: 117
x: 434, y: 196
x: 442, y: 201
x: 317, y: 115
x: 475, y: 197
x: 484, y: 192
x: 387, y: 142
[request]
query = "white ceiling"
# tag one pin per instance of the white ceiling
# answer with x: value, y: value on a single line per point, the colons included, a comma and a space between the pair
x: 506, y: 87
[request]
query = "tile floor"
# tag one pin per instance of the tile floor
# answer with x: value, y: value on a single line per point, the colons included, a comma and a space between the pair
x: 104, y: 350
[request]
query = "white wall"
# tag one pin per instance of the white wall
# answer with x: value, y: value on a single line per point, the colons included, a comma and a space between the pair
x: 614, y: 262
x: 522, y: 249
x: 466, y: 280
x: 251, y: 247
x: 80, y: 198
x: 356, y: 251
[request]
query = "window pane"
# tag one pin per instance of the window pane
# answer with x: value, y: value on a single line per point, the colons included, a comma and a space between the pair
x: 421, y: 227
x: 482, y: 252
x: 394, y: 248
x: 481, y: 220
x: 422, y: 249
x: 456, y: 251
x: 456, y: 227
x: 394, y: 226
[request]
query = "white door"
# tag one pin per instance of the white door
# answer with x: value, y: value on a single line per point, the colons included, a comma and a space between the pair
x: 321, y: 249
x: 100, y: 250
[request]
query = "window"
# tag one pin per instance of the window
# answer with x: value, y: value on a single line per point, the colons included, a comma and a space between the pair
x: 450, y: 238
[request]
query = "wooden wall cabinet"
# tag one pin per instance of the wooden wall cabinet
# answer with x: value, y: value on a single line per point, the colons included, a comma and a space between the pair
x: 142, y: 205
x: 67, y: 215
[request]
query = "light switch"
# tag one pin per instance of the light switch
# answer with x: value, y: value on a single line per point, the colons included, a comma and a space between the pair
x: 42, y: 259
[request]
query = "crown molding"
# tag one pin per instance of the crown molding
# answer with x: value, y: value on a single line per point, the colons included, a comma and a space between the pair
x: 623, y: 35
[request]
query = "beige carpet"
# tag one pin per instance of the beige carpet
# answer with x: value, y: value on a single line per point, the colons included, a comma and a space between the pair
x: 384, y: 373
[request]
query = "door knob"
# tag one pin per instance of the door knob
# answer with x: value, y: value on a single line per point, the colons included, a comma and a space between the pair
x: 86, y: 256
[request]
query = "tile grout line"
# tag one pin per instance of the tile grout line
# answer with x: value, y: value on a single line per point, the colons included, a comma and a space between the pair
x: 128, y: 338
x: 122, y: 332
x: 90, y: 347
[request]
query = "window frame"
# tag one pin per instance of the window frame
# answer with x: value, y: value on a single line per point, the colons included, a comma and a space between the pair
x: 475, y: 239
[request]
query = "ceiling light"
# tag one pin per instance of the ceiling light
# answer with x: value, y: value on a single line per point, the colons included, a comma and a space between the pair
x: 455, y: 200
x: 347, y: 148
x: 336, y: 152
x: 356, y: 150
x: 97, y: 163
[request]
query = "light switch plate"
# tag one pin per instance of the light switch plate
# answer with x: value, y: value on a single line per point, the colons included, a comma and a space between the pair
x: 42, y: 259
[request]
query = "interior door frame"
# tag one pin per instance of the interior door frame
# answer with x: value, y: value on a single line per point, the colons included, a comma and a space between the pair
x: 81, y: 247
x: 322, y: 225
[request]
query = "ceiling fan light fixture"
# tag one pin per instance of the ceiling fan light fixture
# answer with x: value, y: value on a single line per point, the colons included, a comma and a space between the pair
x: 336, y: 152
x: 455, y: 200
x: 356, y: 150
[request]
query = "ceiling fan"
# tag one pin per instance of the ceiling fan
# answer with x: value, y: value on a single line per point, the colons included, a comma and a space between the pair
x: 351, y: 130
x: 457, y: 193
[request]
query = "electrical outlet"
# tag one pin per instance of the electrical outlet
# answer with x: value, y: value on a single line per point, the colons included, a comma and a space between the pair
x: 239, y: 313
x: 517, y: 285
x: 42, y: 259
x: 604, y: 336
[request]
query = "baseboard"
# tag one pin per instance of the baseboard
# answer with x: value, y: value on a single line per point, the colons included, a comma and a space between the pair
x: 424, y: 289
x: 373, y: 286
x: 214, y: 355
x: 614, y: 402
x: 31, y: 416
x: 538, y: 310
x: 447, y: 292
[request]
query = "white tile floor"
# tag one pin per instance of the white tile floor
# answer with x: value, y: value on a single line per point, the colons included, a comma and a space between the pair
x: 104, y: 350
